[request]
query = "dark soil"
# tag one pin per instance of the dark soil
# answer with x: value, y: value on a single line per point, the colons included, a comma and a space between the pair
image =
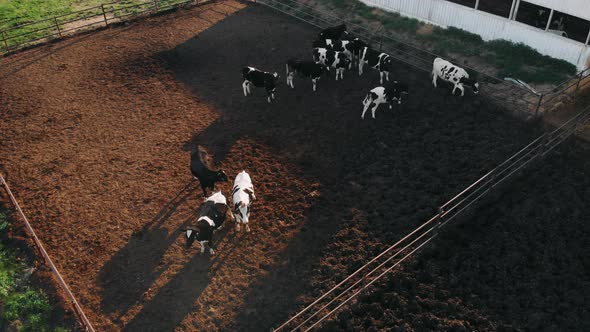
x: 99, y: 131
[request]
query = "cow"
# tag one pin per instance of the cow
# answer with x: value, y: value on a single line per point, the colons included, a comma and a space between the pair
x: 380, y: 61
x: 350, y: 47
x: 451, y: 73
x: 541, y: 17
x: 242, y: 195
x: 212, y: 214
x: 336, y: 32
x: 384, y: 94
x: 202, y: 170
x: 329, y: 58
x: 261, y: 79
x: 306, y: 69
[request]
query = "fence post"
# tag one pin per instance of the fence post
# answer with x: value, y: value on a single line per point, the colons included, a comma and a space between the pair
x: 4, y: 39
x: 578, y: 86
x: 106, y: 23
x: 57, y: 26
x: 539, y: 104
x: 439, y: 214
x: 156, y: 5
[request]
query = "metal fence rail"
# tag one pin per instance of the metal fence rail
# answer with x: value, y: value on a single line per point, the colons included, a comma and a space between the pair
x: 83, y: 319
x: 509, y: 95
x: 31, y: 33
x: 512, y: 96
x: 344, y: 292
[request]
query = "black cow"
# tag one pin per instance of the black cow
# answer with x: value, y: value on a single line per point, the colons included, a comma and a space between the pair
x: 260, y: 79
x: 201, y: 168
x: 380, y: 61
x: 306, y: 69
x: 336, y: 32
x: 387, y: 94
x: 333, y: 59
x: 211, y: 216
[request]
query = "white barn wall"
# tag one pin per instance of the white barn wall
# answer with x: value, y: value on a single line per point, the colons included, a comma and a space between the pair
x: 489, y: 27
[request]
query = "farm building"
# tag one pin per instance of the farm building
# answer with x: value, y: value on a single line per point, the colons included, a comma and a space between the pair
x: 557, y: 28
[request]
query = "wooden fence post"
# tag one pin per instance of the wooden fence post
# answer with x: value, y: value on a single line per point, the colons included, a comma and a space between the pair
x: 4, y: 39
x: 57, y: 26
x: 539, y: 104
x: 106, y: 23
x: 156, y: 5
x: 578, y: 86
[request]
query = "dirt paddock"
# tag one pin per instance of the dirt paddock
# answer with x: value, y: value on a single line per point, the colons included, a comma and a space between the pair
x: 96, y: 132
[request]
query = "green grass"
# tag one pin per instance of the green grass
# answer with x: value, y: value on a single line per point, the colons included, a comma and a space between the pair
x: 20, y: 304
x: 393, y: 21
x: 14, y: 13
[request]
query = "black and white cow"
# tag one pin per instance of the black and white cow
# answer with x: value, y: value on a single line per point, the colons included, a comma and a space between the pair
x: 212, y: 214
x: 351, y: 47
x: 384, y: 94
x: 261, y: 79
x: 202, y: 169
x: 336, y: 32
x: 377, y: 60
x: 454, y: 74
x: 243, y: 195
x: 557, y: 21
x: 306, y: 69
x: 329, y: 58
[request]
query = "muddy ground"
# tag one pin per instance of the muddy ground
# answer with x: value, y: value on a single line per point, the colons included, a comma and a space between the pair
x: 96, y: 135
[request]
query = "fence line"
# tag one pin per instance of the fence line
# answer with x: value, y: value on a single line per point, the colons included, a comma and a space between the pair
x: 513, y: 96
x: 327, y: 304
x: 83, y: 319
x: 56, y: 27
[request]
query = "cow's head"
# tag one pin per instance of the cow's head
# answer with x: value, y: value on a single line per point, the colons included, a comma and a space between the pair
x: 386, y: 64
x: 276, y: 76
x: 358, y: 44
x: 401, y: 91
x: 220, y: 176
x: 343, y: 59
x: 470, y: 83
x: 191, y: 236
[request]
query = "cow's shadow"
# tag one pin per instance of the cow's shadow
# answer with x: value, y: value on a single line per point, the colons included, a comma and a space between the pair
x: 133, y: 269
x: 178, y: 297
x: 175, y: 299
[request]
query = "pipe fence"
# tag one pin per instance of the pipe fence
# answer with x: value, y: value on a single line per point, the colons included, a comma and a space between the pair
x: 509, y: 95
x: 56, y: 27
x: 512, y: 96
x: 344, y: 292
x: 82, y: 317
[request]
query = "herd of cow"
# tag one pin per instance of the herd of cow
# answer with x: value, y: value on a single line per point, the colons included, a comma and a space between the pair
x: 337, y: 49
